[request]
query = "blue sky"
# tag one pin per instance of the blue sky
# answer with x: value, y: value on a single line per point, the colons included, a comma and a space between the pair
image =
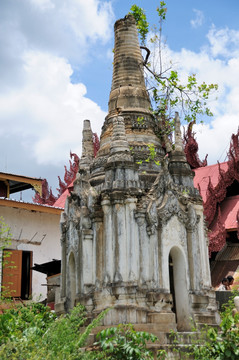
x: 56, y: 69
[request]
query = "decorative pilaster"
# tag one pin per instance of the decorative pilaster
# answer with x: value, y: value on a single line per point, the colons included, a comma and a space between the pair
x: 143, y: 247
x: 63, y: 254
x: 109, y: 248
x: 133, y: 241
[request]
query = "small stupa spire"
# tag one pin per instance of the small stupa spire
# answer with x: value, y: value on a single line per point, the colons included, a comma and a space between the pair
x: 178, y: 165
x: 178, y: 135
x: 121, y: 172
x: 87, y: 144
x: 119, y: 142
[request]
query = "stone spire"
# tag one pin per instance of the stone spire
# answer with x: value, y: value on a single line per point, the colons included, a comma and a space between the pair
x: 87, y: 145
x: 121, y: 172
x: 130, y: 100
x: 119, y: 142
x: 178, y: 165
x: 178, y: 145
x: 128, y: 89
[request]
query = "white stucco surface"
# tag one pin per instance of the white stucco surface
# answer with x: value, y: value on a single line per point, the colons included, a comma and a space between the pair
x: 37, y: 232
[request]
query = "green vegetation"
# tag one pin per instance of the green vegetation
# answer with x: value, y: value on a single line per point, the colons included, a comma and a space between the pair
x: 222, y: 343
x: 34, y: 332
x: 5, y: 236
x: 168, y: 92
x: 5, y: 242
x: 123, y: 342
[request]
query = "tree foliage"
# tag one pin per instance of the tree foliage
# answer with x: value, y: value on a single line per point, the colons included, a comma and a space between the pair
x: 34, y: 332
x: 168, y: 92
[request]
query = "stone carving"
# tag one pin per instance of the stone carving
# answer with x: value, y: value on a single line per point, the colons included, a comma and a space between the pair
x: 140, y: 218
x: 171, y: 208
x: 85, y: 221
x: 117, y: 277
x: 151, y: 217
x: 192, y: 218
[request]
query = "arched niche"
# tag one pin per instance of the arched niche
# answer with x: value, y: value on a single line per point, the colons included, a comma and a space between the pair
x: 179, y: 288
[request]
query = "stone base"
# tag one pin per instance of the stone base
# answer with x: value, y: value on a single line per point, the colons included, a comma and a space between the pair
x: 156, y: 329
x: 141, y: 319
x: 175, y: 344
x: 60, y: 307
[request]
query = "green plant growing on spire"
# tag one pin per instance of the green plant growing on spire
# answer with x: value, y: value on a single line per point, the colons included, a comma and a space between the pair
x: 167, y: 91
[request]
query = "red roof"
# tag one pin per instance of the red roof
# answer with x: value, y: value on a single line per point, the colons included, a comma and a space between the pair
x: 60, y: 202
x: 202, y: 175
x: 229, y: 208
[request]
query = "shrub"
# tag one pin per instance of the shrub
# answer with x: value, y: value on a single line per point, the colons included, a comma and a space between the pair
x: 33, y: 332
x: 123, y: 342
x: 220, y: 344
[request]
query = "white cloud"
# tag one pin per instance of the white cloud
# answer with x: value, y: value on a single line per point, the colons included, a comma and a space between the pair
x: 88, y: 19
x: 43, y: 4
x: 65, y: 29
x: 223, y: 42
x: 41, y: 111
x: 199, y: 19
x: 214, y: 138
x: 218, y: 65
x: 47, y: 113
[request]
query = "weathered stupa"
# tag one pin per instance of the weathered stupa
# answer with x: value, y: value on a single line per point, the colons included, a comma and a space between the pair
x: 133, y: 236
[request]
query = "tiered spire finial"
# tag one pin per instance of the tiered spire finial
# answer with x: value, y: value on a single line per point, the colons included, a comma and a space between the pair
x: 119, y: 142
x: 87, y: 145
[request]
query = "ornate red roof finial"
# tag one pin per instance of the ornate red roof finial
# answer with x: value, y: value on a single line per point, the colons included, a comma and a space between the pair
x: 191, y: 148
x: 47, y: 197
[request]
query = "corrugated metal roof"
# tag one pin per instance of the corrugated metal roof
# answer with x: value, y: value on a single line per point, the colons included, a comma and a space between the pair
x: 10, y: 175
x: 30, y: 204
x: 229, y: 253
x: 222, y: 269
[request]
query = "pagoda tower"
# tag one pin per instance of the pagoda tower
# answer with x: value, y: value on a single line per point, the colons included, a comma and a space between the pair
x: 133, y: 236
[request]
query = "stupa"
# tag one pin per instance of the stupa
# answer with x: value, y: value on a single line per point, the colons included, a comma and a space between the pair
x: 133, y: 235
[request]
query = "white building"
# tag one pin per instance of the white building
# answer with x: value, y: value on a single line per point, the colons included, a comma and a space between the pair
x: 35, y: 235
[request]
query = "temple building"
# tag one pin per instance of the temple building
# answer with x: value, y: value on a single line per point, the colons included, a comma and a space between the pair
x: 218, y: 185
x: 133, y: 234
